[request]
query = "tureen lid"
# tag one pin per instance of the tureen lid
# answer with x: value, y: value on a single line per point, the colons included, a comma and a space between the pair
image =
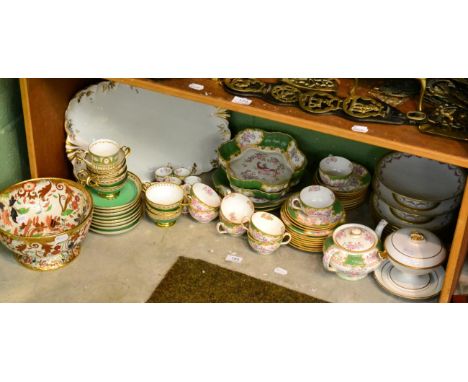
x: 355, y: 237
x: 415, y: 248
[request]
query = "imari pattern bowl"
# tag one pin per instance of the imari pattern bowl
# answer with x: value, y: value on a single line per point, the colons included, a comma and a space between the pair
x: 43, y: 221
x: 256, y: 159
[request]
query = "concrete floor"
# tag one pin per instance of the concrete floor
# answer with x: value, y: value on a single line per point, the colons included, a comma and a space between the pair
x: 128, y: 267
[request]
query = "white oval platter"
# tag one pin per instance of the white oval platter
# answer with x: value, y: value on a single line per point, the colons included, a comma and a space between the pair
x: 159, y: 129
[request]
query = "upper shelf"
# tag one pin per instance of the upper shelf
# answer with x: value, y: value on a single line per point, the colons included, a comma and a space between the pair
x: 403, y: 138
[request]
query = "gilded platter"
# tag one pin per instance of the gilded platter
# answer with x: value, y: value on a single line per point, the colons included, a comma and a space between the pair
x: 152, y: 124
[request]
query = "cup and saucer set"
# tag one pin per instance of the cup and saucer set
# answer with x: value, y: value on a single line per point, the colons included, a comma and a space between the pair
x: 116, y: 192
x: 349, y: 181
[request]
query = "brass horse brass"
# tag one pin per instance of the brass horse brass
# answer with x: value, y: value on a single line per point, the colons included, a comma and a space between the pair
x: 319, y: 103
x: 363, y: 107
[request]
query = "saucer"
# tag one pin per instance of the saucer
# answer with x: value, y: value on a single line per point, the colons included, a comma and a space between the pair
x: 358, y: 181
x: 336, y: 215
x: 411, y: 287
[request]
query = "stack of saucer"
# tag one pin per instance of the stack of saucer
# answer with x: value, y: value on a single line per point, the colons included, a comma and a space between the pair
x: 106, y: 167
x: 121, y: 214
x: 349, y: 181
x: 310, y: 226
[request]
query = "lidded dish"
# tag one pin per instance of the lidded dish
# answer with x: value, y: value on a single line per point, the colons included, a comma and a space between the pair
x: 353, y: 250
x: 415, y: 251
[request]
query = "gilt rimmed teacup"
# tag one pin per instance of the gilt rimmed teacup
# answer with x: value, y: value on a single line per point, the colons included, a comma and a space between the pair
x: 163, y: 218
x: 335, y: 171
x: 235, y: 209
x: 106, y: 152
x: 314, y: 199
x: 163, y: 196
x: 266, y: 228
x: 161, y: 173
x: 181, y: 172
x: 269, y: 246
x: 204, y: 203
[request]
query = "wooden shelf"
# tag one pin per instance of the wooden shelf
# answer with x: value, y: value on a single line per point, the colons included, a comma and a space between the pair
x: 45, y: 101
x: 403, y: 138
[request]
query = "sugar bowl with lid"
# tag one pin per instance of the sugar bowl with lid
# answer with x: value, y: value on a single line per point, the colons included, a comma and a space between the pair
x: 353, y: 250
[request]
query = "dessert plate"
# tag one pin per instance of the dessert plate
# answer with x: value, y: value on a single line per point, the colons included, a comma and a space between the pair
x: 435, y: 224
x: 159, y: 129
x: 410, y: 287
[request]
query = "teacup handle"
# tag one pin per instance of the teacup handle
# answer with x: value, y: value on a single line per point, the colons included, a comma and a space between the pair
x: 80, y: 156
x: 326, y: 263
x: 245, y: 225
x: 221, y: 228
x: 127, y: 150
x: 288, y: 236
x: 296, y: 204
x: 85, y: 178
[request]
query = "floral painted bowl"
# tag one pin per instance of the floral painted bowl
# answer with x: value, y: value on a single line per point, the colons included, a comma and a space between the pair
x: 261, y: 160
x: 43, y: 221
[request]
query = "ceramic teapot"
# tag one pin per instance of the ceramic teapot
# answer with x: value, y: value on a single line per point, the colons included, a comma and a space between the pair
x: 353, y: 250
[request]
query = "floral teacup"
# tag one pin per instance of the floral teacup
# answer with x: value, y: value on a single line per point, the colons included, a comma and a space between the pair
x: 313, y: 200
x: 181, y: 172
x: 235, y: 209
x: 204, y: 203
x: 335, y: 171
x: 266, y: 228
x: 267, y: 247
x: 162, y: 173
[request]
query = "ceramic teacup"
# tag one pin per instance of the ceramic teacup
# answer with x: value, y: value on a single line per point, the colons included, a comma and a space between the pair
x: 335, y: 171
x: 266, y: 228
x: 192, y: 179
x: 162, y: 173
x: 204, y: 203
x: 189, y: 181
x: 269, y: 246
x: 181, y: 172
x: 103, y: 155
x: 163, y: 196
x: 313, y: 199
x: 163, y: 218
x: 235, y: 209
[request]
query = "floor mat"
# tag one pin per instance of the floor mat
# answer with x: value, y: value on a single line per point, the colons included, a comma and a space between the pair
x: 192, y: 280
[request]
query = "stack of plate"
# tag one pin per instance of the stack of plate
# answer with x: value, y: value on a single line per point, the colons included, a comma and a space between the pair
x: 260, y: 165
x: 353, y: 193
x: 119, y: 215
x: 415, y: 192
x: 304, y: 234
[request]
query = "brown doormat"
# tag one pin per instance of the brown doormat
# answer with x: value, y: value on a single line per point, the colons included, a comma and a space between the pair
x: 192, y: 280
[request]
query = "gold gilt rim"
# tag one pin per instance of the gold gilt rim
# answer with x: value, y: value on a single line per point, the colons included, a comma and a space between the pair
x: 115, y: 222
x: 108, y: 217
x: 379, y: 280
x: 48, y: 238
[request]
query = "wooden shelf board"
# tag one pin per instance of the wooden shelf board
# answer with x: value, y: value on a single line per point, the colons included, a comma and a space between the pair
x: 403, y: 138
